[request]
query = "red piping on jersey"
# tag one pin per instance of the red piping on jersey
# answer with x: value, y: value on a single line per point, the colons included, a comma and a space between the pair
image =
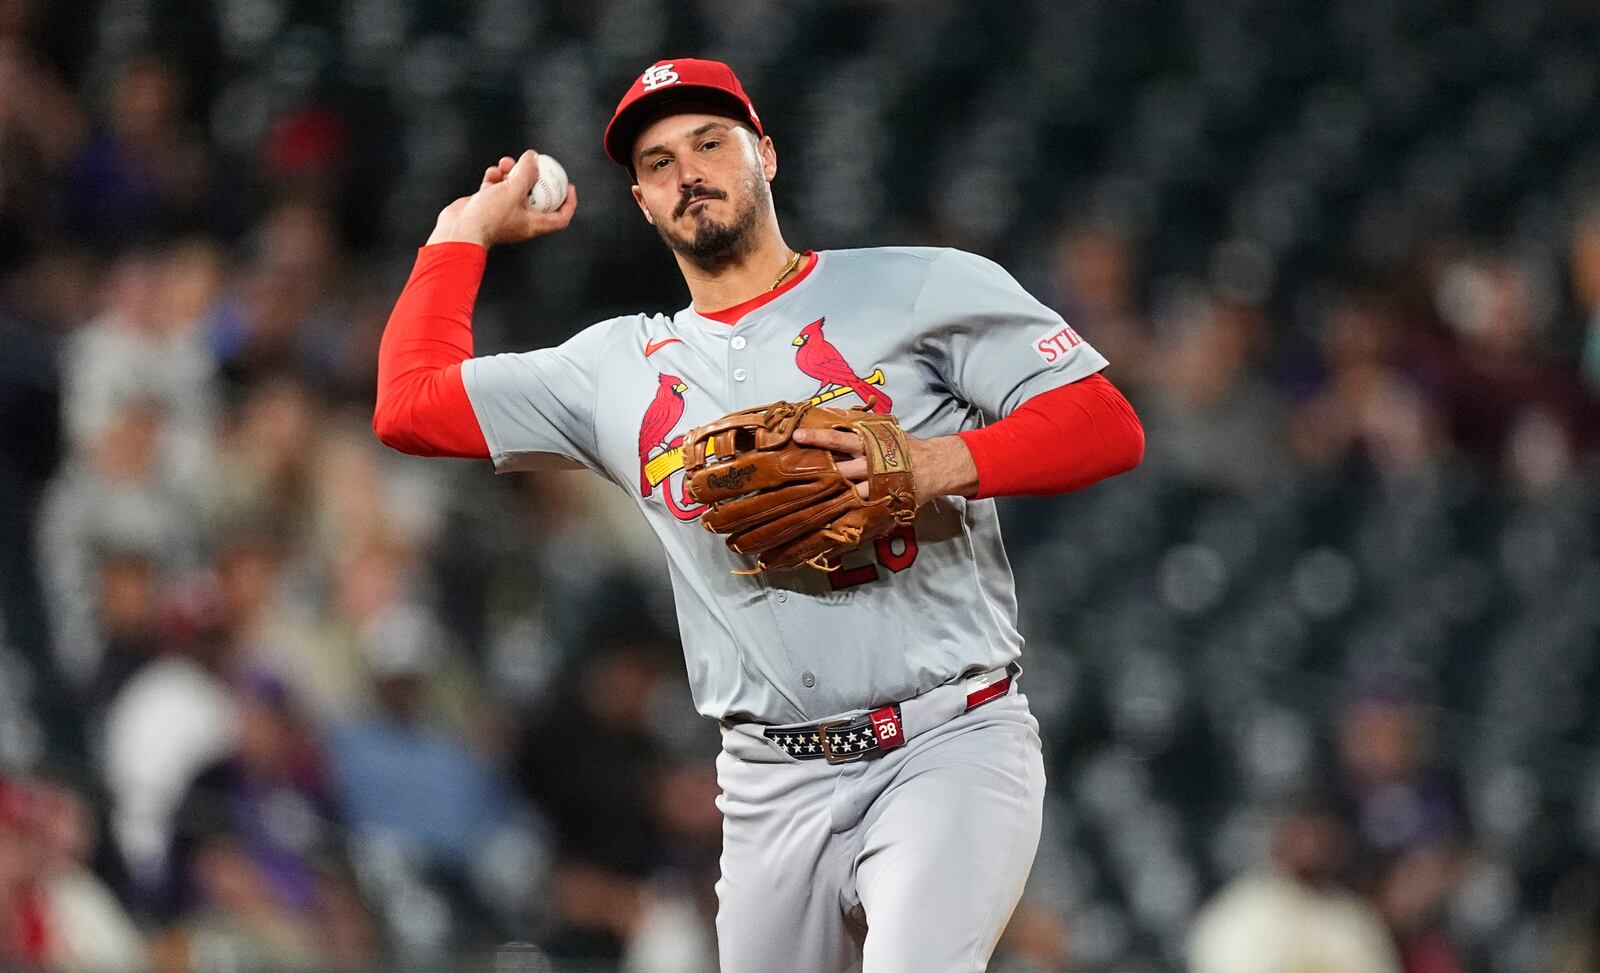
x: 1060, y: 440
x: 731, y: 315
x: 422, y: 405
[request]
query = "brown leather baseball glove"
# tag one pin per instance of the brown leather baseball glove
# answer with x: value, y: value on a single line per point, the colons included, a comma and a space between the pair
x: 787, y: 503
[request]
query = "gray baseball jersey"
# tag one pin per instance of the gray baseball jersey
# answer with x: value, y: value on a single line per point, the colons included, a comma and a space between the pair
x: 943, y: 339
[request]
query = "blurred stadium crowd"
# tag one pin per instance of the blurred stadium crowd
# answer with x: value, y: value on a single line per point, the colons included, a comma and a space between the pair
x: 1316, y: 683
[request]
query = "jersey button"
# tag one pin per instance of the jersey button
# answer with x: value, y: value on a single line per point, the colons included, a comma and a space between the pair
x: 782, y: 597
x: 738, y: 375
x: 808, y: 679
x: 737, y: 342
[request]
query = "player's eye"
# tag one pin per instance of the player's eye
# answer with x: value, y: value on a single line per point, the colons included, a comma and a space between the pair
x: 709, y: 144
x: 660, y: 162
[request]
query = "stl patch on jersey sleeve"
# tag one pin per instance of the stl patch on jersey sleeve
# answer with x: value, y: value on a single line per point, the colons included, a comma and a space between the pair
x: 1054, y: 345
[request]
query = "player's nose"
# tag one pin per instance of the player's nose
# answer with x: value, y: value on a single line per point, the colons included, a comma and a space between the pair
x: 690, y: 174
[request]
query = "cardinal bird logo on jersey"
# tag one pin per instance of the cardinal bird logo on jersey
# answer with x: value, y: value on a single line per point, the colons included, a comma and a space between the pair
x: 659, y: 419
x: 818, y: 358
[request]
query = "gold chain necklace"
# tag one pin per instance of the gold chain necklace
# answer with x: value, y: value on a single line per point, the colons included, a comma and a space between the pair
x: 788, y: 269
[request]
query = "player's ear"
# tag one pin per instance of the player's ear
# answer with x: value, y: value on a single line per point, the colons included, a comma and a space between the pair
x: 638, y: 197
x: 769, y: 157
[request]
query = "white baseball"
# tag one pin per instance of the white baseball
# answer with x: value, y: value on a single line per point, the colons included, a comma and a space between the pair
x: 548, y: 193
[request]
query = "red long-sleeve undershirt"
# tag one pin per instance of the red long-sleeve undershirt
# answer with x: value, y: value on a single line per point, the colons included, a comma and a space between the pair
x: 423, y: 407
x: 1065, y: 439
x: 1059, y: 440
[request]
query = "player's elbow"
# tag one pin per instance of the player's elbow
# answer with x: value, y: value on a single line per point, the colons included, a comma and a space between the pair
x: 425, y: 414
x: 1126, y: 448
x: 1130, y: 445
x: 394, y: 420
x: 390, y: 425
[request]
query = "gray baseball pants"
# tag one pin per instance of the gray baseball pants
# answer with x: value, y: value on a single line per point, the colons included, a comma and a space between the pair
x: 906, y: 862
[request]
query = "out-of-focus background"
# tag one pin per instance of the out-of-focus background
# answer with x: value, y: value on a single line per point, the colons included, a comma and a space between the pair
x: 1317, y: 682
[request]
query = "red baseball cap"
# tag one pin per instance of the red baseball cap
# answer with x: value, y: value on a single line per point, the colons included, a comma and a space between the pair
x: 677, y: 79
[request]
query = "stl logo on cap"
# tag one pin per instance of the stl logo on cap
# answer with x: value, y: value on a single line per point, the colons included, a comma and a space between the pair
x: 667, y: 79
x: 658, y: 75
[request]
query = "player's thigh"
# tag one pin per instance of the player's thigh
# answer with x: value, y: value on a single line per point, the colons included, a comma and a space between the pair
x: 782, y: 876
x: 948, y: 849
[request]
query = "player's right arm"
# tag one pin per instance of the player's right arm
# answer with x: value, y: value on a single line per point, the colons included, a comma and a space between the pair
x: 423, y: 405
x: 499, y: 211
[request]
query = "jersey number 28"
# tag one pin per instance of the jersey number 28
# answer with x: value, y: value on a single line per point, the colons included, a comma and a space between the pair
x: 895, y: 551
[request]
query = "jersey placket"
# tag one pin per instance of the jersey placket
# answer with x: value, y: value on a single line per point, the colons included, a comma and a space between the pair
x: 745, y: 350
x: 741, y: 372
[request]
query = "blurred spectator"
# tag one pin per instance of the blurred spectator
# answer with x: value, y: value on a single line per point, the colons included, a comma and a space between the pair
x: 1510, y: 401
x: 1408, y: 822
x: 1096, y: 289
x: 136, y: 394
x: 262, y: 463
x: 366, y: 503
x: 1393, y: 796
x: 266, y: 631
x: 411, y: 786
x: 146, y: 346
x: 113, y: 499
x: 291, y: 312
x: 1213, y: 417
x: 1368, y: 414
x: 171, y: 719
x: 1413, y: 895
x: 372, y: 585
x: 54, y: 912
x: 258, y: 855
x: 675, y: 932
x: 590, y: 757
x: 1294, y: 915
x: 594, y: 548
x: 144, y: 170
x: 590, y: 760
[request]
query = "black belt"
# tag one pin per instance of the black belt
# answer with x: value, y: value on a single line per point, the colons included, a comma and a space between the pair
x: 844, y: 740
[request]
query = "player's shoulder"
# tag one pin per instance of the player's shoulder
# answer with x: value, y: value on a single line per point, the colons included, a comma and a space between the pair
x: 915, y: 261
x: 627, y: 328
x: 633, y: 323
x: 888, y: 256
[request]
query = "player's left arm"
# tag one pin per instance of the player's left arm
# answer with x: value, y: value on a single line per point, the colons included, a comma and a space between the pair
x: 1055, y: 423
x: 1060, y: 440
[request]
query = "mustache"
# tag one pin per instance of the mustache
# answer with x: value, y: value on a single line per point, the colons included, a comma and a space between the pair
x: 693, y: 194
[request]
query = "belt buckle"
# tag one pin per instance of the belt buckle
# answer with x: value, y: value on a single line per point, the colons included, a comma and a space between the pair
x: 827, y: 751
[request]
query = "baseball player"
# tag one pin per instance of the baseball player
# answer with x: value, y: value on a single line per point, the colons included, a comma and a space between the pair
x: 882, y: 784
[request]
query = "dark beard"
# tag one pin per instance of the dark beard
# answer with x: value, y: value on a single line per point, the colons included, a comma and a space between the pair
x: 712, y: 245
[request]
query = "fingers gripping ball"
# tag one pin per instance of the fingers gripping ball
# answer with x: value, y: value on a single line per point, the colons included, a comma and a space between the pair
x: 548, y: 193
x: 788, y: 504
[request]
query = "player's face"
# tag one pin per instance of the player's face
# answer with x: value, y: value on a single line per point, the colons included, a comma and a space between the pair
x: 702, y: 183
